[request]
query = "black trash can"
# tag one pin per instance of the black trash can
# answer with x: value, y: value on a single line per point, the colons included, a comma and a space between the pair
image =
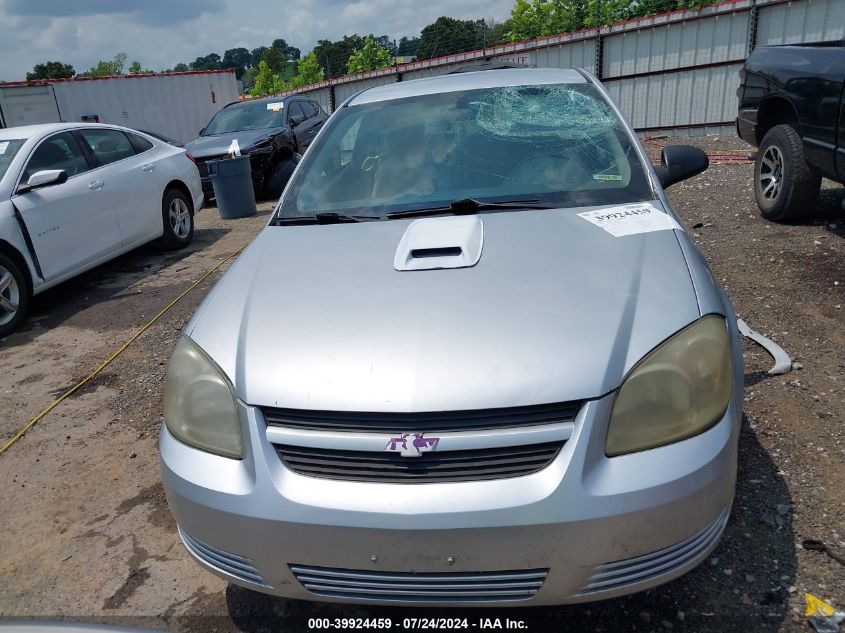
x: 232, y: 182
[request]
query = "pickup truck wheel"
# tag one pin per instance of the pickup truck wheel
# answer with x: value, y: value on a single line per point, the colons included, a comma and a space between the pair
x: 178, y: 219
x: 784, y: 185
x: 14, y: 296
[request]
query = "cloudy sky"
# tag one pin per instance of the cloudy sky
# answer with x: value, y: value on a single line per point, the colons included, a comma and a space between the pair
x: 161, y: 33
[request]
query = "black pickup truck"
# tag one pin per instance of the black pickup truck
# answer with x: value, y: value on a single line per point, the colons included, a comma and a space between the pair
x: 792, y: 107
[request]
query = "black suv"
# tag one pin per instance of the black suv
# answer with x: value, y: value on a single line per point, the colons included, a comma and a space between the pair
x: 792, y: 107
x: 272, y: 131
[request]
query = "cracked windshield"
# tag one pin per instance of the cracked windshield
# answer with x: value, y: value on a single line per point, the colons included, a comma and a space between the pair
x: 559, y: 144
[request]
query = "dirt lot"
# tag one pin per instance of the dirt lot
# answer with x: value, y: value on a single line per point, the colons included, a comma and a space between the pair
x: 86, y: 531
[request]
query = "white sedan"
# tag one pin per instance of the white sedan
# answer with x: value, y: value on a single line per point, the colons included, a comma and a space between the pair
x: 74, y: 195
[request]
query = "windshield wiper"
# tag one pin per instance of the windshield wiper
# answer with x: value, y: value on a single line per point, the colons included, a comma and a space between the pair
x: 471, y: 205
x: 324, y: 218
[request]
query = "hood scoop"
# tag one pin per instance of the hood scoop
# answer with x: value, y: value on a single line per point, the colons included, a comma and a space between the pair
x: 436, y: 243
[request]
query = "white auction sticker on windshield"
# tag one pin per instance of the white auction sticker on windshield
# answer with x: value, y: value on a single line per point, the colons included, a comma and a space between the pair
x: 630, y: 219
x: 275, y: 107
x: 3, y: 147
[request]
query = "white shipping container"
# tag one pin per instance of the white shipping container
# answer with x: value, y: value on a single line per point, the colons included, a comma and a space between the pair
x: 177, y: 105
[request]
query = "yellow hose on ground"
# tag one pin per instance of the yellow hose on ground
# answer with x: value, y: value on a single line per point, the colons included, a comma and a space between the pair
x: 111, y: 358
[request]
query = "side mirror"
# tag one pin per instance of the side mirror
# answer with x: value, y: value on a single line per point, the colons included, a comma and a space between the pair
x: 296, y: 119
x: 44, y: 178
x: 679, y: 162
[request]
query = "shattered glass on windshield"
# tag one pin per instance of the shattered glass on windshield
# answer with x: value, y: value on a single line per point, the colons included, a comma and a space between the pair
x: 561, y: 144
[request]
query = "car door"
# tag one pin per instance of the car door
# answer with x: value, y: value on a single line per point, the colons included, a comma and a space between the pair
x: 296, y: 121
x: 73, y: 223
x: 133, y: 184
x: 311, y: 124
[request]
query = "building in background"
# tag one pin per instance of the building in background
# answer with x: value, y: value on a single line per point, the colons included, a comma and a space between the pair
x: 176, y: 105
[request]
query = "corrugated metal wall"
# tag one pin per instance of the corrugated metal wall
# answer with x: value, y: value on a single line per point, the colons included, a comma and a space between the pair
x: 802, y: 21
x: 178, y: 106
x: 673, y: 73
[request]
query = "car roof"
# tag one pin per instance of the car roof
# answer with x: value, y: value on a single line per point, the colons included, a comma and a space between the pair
x: 42, y: 129
x: 469, y: 81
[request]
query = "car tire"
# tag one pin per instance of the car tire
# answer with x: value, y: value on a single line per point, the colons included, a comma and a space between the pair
x: 785, y: 186
x: 178, y: 218
x: 279, y: 177
x: 14, y: 296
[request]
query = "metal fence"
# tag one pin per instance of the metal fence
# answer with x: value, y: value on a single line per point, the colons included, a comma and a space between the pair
x: 674, y: 73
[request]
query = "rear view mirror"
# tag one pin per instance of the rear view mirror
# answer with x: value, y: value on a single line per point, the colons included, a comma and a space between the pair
x: 679, y: 162
x: 44, y: 178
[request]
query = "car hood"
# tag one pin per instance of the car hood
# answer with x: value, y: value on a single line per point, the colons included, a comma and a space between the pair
x: 219, y: 143
x: 556, y: 309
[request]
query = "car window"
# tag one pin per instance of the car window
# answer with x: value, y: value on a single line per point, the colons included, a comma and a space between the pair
x: 561, y: 144
x: 258, y: 115
x: 8, y: 149
x: 109, y: 146
x: 139, y: 143
x: 311, y: 109
x: 61, y: 151
x: 294, y: 109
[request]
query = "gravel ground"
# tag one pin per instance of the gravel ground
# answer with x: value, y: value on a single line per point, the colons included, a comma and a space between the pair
x: 87, y: 534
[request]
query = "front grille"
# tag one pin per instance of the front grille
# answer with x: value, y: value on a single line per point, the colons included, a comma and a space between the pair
x: 632, y: 571
x: 232, y: 564
x: 427, y: 422
x: 437, y: 466
x: 482, y: 586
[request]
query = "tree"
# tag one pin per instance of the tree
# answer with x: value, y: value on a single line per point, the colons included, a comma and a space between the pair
x: 332, y: 56
x: 309, y: 71
x: 536, y: 18
x: 448, y: 35
x: 291, y: 52
x: 257, y: 54
x: 209, y: 62
x: 181, y: 67
x: 370, y: 57
x: 51, y: 70
x: 275, y: 59
x: 237, y: 58
x: 108, y: 68
x: 263, y: 80
x: 135, y: 67
x: 408, y: 46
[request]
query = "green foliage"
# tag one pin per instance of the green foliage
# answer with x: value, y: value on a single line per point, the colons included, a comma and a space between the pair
x: 211, y: 61
x: 107, y: 68
x: 264, y: 80
x: 239, y: 59
x: 309, y: 71
x: 370, y: 57
x: 135, y: 67
x: 408, y: 46
x: 51, y: 70
x: 275, y: 59
x: 537, y: 18
x: 448, y: 35
x: 290, y: 52
x: 181, y: 68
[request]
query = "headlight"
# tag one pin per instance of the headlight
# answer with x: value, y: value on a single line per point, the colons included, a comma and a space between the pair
x: 678, y: 390
x: 264, y: 147
x: 199, y: 403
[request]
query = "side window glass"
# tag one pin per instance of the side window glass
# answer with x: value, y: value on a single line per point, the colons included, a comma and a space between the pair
x: 108, y: 145
x: 61, y: 151
x: 294, y: 110
x: 314, y: 109
x: 139, y: 143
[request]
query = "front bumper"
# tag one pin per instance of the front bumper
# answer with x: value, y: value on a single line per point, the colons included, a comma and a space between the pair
x: 600, y: 527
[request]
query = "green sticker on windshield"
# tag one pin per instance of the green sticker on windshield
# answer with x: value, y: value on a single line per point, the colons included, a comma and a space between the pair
x: 607, y: 177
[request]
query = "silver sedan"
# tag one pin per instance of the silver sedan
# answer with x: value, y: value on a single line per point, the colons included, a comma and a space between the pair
x: 473, y: 358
